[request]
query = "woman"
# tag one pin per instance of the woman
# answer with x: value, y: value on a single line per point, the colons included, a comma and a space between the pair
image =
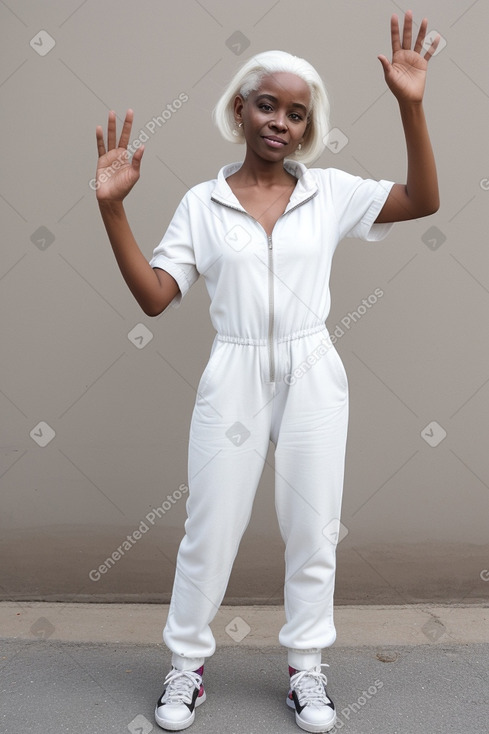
x: 263, y: 235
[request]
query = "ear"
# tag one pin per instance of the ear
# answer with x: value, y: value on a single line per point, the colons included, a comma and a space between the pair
x: 238, y: 107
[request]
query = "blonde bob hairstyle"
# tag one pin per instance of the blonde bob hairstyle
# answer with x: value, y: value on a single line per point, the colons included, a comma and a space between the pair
x: 248, y: 79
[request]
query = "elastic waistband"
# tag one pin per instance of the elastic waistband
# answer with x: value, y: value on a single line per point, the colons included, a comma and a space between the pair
x: 264, y: 342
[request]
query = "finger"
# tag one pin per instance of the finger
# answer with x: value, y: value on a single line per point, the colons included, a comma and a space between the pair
x: 395, y: 36
x: 99, y: 133
x: 136, y: 159
x: 432, y: 48
x: 421, y: 35
x: 385, y: 63
x: 111, y: 131
x: 126, y: 129
x: 407, y: 31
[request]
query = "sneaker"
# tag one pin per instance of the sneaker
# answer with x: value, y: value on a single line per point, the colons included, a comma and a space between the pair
x: 314, y: 710
x: 183, y: 691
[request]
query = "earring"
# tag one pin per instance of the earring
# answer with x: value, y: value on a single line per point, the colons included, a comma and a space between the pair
x: 235, y: 132
x: 299, y: 147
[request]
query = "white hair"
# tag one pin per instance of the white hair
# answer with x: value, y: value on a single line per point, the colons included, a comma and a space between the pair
x: 248, y: 79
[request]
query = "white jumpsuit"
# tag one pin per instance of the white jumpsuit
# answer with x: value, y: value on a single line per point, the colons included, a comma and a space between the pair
x: 273, y: 375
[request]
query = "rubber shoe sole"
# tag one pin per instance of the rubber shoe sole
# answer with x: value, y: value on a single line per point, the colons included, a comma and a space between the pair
x: 179, y: 725
x: 306, y: 726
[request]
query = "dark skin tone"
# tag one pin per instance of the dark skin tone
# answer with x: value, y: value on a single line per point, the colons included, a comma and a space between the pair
x: 262, y: 184
x: 277, y: 110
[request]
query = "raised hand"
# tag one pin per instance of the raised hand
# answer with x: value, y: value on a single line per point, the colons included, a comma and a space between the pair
x: 116, y: 173
x: 406, y: 74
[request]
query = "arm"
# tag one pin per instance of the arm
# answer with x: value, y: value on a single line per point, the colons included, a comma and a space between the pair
x: 153, y: 289
x: 406, y: 78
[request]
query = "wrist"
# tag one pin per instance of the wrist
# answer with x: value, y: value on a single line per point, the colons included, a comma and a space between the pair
x: 410, y: 106
x: 111, y: 206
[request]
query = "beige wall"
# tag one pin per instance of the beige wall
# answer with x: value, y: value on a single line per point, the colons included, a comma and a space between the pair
x: 416, y: 514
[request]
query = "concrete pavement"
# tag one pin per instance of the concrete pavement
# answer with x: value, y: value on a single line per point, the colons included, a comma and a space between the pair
x: 80, y: 668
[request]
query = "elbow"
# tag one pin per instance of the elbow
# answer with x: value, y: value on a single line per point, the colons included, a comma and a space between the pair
x: 435, y: 205
x: 155, y: 303
x: 152, y: 306
x: 155, y: 306
x: 434, y: 200
x: 427, y: 208
x: 152, y: 310
x: 432, y: 209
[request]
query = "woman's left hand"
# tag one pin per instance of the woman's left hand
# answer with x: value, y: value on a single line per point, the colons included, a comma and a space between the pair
x: 406, y: 74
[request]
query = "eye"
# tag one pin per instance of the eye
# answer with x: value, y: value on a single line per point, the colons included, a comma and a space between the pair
x: 264, y: 106
x: 296, y: 117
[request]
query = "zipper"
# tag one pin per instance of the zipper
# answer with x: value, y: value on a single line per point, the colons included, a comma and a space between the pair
x: 296, y: 206
x: 271, y: 314
x: 243, y: 211
x: 271, y: 292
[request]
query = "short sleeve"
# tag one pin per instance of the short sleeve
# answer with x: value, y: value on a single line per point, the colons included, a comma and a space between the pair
x: 175, y: 253
x: 358, y: 202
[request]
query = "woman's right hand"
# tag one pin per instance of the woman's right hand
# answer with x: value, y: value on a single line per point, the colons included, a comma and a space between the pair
x: 116, y: 173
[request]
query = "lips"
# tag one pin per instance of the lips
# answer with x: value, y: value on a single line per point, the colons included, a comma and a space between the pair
x: 274, y: 139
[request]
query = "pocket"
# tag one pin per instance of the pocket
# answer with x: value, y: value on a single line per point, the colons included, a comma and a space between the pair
x: 209, y: 370
x: 339, y: 368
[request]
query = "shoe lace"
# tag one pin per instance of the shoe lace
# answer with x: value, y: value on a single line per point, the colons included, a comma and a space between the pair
x: 180, y: 684
x: 310, y: 685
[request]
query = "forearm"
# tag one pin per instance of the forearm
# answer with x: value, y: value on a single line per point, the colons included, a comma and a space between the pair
x: 406, y: 78
x: 422, y: 180
x: 153, y: 293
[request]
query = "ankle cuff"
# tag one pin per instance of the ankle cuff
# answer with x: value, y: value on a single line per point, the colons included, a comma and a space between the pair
x: 181, y: 663
x: 304, y: 659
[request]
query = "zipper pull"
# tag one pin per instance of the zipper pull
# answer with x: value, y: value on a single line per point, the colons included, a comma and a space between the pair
x: 269, y: 241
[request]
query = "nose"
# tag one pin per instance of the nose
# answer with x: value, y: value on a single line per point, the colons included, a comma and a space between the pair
x: 279, y: 122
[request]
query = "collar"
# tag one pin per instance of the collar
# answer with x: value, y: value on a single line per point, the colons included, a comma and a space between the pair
x: 305, y: 188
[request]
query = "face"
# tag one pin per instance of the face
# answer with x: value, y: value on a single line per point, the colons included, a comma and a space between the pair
x: 274, y: 116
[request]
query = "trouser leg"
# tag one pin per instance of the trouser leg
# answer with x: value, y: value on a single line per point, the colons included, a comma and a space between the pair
x: 219, y: 508
x: 309, y: 464
x: 229, y: 439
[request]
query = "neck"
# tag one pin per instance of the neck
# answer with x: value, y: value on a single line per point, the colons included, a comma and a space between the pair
x: 258, y: 172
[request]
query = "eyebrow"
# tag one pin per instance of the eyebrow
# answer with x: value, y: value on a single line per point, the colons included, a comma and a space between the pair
x: 274, y: 99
